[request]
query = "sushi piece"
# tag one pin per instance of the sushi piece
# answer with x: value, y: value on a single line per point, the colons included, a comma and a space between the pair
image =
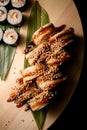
x: 33, y: 91
x: 10, y: 37
x: 17, y: 90
x: 58, y: 57
x: 14, y: 17
x: 43, y: 33
x: 61, y: 39
x: 18, y: 3
x: 40, y: 100
x: 3, y: 14
x: 35, y: 56
x: 32, y: 72
x: 4, y: 2
x: 1, y: 34
x: 49, y: 81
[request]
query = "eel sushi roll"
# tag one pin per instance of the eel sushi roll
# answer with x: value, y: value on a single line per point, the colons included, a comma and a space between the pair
x: 19, y: 4
x: 1, y: 34
x: 10, y: 36
x: 4, y: 2
x: 15, y: 17
x: 3, y: 14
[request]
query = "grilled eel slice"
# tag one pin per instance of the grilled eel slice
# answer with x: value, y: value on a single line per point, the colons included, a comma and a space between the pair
x: 31, y: 72
x: 17, y: 90
x: 49, y: 80
x: 35, y: 56
x: 27, y: 95
x: 27, y: 90
x: 62, y: 39
x: 58, y: 57
x: 43, y: 33
x: 40, y: 100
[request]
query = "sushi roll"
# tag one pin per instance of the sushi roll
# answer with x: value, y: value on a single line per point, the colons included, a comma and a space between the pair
x: 1, y: 34
x: 14, y: 17
x: 3, y: 14
x: 43, y: 33
x: 4, y: 2
x: 10, y: 37
x: 19, y: 4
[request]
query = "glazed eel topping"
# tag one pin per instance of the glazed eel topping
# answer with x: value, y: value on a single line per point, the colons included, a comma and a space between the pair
x: 46, y: 54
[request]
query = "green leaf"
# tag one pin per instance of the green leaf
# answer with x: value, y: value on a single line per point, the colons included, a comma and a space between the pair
x: 1, y: 59
x: 39, y: 117
x: 7, y: 53
x: 6, y: 57
x: 38, y: 17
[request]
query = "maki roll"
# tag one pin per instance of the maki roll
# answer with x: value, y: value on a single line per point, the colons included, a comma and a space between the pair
x: 14, y: 17
x: 1, y: 34
x: 19, y: 4
x: 10, y: 36
x: 4, y: 2
x: 3, y: 14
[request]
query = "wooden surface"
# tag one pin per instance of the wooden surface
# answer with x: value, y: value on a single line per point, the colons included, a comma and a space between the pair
x: 11, y: 118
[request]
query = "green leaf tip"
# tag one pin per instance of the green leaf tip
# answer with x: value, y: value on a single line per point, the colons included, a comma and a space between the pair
x: 38, y: 17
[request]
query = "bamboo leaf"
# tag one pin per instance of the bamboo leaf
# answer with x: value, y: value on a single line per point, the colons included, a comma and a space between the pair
x: 1, y: 59
x: 39, y: 117
x: 7, y: 53
x: 6, y: 57
x: 38, y: 17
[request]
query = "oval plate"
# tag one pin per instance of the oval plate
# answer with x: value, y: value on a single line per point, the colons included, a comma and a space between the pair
x: 11, y: 118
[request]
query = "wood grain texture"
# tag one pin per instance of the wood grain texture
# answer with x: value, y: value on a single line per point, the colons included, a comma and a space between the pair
x: 11, y: 118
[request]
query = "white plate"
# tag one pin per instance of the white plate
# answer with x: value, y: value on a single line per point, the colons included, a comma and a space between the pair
x: 11, y: 118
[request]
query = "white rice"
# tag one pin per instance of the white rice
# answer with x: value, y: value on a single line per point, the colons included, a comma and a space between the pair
x: 1, y: 34
x: 3, y: 14
x: 18, y: 3
x: 10, y: 36
x: 4, y: 2
x: 14, y: 17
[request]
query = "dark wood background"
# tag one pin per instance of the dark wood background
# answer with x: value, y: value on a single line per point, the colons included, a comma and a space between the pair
x: 74, y: 115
